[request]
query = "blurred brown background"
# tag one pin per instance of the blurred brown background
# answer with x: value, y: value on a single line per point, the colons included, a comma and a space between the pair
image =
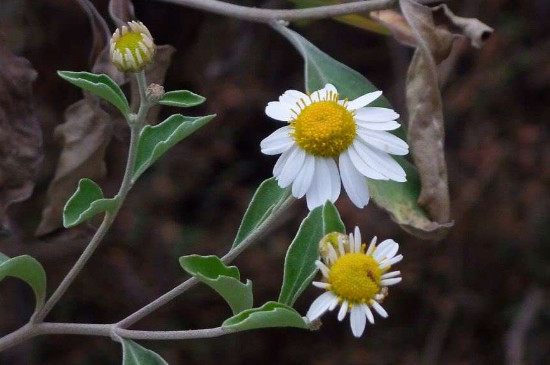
x: 477, y: 297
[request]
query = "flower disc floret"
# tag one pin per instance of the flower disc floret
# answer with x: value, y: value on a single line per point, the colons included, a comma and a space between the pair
x: 324, y: 128
x: 355, y: 277
x: 132, y: 47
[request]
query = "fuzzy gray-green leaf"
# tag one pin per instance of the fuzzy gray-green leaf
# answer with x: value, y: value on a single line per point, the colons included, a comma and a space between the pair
x: 135, y: 354
x: 85, y: 203
x: 301, y: 256
x: 100, y: 85
x: 154, y: 141
x: 181, y: 98
x: 271, y: 314
x: 223, y: 279
x: 265, y: 199
x: 27, y: 269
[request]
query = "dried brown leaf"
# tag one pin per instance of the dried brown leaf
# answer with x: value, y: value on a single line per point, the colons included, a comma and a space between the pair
x: 20, y: 133
x: 426, y: 132
x: 397, y: 25
x: 473, y: 29
x: 121, y: 11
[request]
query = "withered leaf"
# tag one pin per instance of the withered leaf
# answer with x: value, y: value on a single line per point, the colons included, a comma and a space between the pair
x: 20, y: 133
x: 121, y: 11
x: 426, y: 132
x: 473, y: 29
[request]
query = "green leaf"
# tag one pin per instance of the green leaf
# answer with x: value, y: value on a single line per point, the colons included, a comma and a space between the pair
x: 226, y: 280
x: 134, y: 354
x: 85, y: 203
x: 265, y: 199
x: 271, y: 314
x: 300, y: 258
x: 181, y: 98
x: 100, y: 85
x: 399, y: 199
x: 154, y: 141
x: 27, y: 269
x: 331, y: 219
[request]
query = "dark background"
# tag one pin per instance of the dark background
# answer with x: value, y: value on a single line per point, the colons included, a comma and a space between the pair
x: 463, y: 300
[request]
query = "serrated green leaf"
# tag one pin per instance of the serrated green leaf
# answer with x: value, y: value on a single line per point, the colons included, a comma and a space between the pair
x: 331, y: 219
x: 224, y: 279
x: 300, y: 258
x: 27, y: 269
x: 100, y: 85
x: 271, y: 314
x: 135, y: 354
x: 86, y: 202
x: 399, y: 199
x: 154, y: 141
x: 265, y: 199
x: 181, y: 98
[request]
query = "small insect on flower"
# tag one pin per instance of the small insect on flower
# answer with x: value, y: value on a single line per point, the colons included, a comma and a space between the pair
x: 132, y: 47
x: 322, y: 131
x: 355, y: 276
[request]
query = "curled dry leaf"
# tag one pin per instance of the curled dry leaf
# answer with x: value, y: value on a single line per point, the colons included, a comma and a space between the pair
x: 20, y: 134
x: 426, y: 131
x: 473, y: 29
x: 121, y: 11
x: 397, y: 25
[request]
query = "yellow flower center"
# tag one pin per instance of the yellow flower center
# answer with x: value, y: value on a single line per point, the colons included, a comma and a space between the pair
x: 324, y: 128
x: 131, y: 41
x: 355, y: 277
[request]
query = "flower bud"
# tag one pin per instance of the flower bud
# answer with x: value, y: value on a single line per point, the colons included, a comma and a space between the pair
x: 132, y: 47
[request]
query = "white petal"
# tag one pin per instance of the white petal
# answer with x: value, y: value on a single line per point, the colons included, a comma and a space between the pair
x: 380, y: 161
x: 282, y: 161
x: 368, y: 313
x: 354, y: 183
x: 341, y: 248
x: 324, y: 269
x: 391, y: 274
x: 278, y: 111
x: 362, y: 166
x: 392, y: 281
x: 378, y: 308
x: 357, y: 320
x: 320, y: 190
x: 320, y: 284
x: 387, y: 263
x: 291, y: 168
x: 372, y: 114
x: 384, y: 248
x: 371, y: 245
x: 295, y: 99
x: 277, y: 142
x: 384, y: 141
x: 332, y: 255
x: 305, y: 176
x: 364, y: 100
x: 324, y: 93
x: 343, y: 310
x: 335, y: 182
x: 357, y: 239
x: 320, y: 305
x: 378, y: 126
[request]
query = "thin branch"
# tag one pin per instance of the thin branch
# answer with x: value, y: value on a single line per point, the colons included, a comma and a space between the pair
x: 271, y: 15
x: 268, y: 224
x: 527, y: 314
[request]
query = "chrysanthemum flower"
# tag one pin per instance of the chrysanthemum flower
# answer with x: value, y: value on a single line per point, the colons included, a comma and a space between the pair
x: 322, y: 131
x: 132, y: 47
x: 356, y: 277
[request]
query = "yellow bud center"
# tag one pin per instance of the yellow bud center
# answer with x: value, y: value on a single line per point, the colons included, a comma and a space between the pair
x: 355, y: 277
x: 324, y: 128
x: 129, y: 41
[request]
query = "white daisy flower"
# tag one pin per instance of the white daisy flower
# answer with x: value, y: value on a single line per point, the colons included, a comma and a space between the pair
x: 356, y: 277
x: 328, y: 140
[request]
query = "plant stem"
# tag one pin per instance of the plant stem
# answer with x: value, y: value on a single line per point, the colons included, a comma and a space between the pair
x: 125, y: 186
x: 268, y: 224
x: 271, y: 15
